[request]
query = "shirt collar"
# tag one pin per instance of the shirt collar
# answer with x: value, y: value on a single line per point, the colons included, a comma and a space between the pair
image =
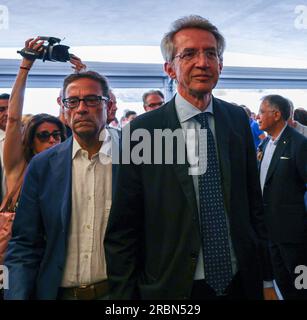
x: 278, y: 137
x: 186, y: 110
x: 105, y: 147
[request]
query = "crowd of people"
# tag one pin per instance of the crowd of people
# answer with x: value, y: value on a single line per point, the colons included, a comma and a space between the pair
x: 82, y: 219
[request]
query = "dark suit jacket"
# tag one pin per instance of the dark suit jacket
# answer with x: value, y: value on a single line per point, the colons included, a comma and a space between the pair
x: 37, y: 251
x: 153, y: 239
x: 284, y: 189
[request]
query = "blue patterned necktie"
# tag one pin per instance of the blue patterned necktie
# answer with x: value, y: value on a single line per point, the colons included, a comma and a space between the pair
x: 215, y: 243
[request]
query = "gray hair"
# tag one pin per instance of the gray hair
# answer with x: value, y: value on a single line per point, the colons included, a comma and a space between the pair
x: 187, y: 22
x: 279, y: 103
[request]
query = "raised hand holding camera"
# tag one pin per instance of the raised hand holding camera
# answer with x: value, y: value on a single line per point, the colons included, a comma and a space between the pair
x: 53, y: 51
x: 50, y: 52
x: 33, y: 47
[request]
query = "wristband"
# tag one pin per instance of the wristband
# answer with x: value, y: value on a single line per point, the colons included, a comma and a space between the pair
x: 25, y: 68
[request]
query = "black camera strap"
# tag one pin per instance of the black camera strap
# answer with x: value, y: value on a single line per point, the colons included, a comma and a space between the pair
x: 29, y: 54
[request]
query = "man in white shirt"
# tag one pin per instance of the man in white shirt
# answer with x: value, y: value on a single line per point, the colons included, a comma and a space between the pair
x: 283, y: 178
x: 56, y: 251
x: 159, y: 241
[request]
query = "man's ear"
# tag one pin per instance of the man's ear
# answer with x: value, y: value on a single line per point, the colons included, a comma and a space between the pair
x: 59, y: 101
x: 277, y: 116
x: 169, y: 69
x: 109, y: 105
x: 221, y: 66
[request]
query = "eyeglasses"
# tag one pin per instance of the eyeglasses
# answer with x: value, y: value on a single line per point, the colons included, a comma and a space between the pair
x: 90, y: 101
x: 152, y: 105
x: 44, y: 136
x: 191, y: 54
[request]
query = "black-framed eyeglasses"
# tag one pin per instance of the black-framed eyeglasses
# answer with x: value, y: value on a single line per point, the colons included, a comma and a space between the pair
x: 191, y: 54
x: 90, y: 101
x: 44, y: 136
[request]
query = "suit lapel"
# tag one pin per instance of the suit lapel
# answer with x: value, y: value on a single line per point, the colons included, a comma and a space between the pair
x: 223, y: 133
x: 61, y: 165
x: 116, y: 143
x: 281, y: 146
x: 181, y: 170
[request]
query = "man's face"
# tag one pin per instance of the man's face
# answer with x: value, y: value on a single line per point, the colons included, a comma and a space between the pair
x: 199, y: 75
x: 3, y: 113
x: 85, y: 122
x: 267, y: 117
x: 153, y: 101
x: 112, y: 108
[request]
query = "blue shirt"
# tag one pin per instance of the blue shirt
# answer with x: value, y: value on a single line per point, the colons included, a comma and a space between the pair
x: 256, y: 132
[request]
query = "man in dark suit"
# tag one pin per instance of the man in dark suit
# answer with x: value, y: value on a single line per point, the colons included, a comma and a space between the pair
x: 283, y: 176
x: 56, y: 250
x: 154, y: 240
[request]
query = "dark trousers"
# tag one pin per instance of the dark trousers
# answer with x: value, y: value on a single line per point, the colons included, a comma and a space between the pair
x: 202, y: 291
x: 285, y: 258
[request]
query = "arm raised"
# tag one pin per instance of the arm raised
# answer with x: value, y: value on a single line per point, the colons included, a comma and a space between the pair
x: 13, y: 156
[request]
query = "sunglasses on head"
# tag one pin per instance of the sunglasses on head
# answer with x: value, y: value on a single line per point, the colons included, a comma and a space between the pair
x: 44, y: 136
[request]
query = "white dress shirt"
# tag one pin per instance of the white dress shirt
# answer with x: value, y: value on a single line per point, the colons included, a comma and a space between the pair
x: 91, y: 203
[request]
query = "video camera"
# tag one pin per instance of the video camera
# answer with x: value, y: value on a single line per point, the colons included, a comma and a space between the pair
x: 51, y: 52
